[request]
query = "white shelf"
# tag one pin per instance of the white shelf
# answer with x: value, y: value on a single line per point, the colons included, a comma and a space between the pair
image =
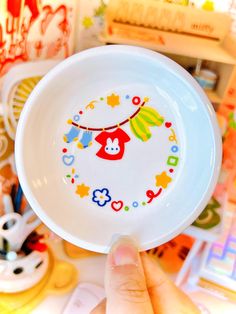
x: 201, y: 234
x: 178, y: 44
x: 188, y: 48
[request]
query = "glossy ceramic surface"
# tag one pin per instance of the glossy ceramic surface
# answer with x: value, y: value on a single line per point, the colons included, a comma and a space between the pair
x: 118, y: 140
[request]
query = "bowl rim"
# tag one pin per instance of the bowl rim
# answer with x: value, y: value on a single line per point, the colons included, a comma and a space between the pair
x: 128, y: 50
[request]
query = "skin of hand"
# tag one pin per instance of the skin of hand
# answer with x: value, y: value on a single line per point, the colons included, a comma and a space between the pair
x: 134, y: 283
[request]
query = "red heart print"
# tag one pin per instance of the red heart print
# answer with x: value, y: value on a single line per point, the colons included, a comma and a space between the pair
x: 168, y: 124
x: 117, y: 205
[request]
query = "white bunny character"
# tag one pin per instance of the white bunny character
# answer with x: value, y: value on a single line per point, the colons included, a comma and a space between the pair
x: 112, y: 147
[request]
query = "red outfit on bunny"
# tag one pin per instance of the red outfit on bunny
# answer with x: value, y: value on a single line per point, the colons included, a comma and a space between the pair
x: 113, y: 144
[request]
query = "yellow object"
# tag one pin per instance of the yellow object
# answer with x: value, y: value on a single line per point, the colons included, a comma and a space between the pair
x: 16, y: 101
x: 74, y: 251
x: 82, y: 190
x: 113, y: 100
x: 87, y: 22
x: 60, y: 278
x: 140, y: 128
x: 208, y: 5
x: 21, y: 93
x: 6, y: 143
x: 183, y: 2
x: 141, y: 123
x: 163, y: 180
x: 91, y: 105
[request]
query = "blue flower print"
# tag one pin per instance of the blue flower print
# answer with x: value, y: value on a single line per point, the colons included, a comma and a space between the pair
x: 101, y: 197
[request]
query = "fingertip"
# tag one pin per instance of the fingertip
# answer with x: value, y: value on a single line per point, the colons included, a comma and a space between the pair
x: 124, y: 240
x: 123, y: 252
x: 125, y: 284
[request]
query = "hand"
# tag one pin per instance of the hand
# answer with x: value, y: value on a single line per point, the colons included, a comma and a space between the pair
x: 135, y: 284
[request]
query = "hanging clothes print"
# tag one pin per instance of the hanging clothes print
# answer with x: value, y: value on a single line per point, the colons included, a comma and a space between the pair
x: 111, y: 127
x: 113, y: 144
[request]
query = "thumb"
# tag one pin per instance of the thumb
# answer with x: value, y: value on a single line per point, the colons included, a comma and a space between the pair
x: 125, y: 284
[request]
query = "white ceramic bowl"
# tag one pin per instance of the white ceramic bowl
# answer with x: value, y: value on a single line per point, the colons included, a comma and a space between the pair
x: 149, y: 175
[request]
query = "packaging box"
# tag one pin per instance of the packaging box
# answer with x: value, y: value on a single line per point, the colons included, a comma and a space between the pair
x: 155, y: 15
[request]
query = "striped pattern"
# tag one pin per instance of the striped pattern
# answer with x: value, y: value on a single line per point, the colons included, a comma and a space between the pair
x: 141, y: 123
x: 20, y: 95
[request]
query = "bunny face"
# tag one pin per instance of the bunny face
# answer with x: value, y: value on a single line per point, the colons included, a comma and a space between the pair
x: 112, y: 147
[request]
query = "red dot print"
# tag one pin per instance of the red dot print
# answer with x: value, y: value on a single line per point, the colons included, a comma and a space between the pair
x: 80, y: 112
x: 64, y: 150
x: 72, y: 180
x: 171, y: 170
x: 136, y: 100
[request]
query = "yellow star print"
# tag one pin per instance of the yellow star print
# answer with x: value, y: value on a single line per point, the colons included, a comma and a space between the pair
x: 163, y: 180
x: 82, y: 190
x: 113, y: 100
x: 87, y: 22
